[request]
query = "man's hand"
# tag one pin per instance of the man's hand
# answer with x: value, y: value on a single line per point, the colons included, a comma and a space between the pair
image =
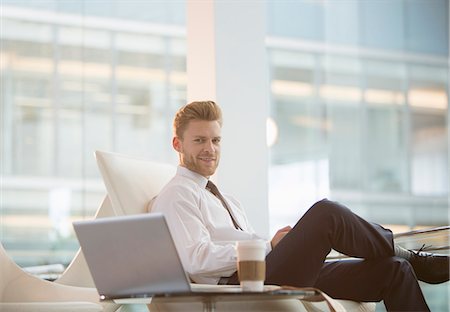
x: 279, y: 235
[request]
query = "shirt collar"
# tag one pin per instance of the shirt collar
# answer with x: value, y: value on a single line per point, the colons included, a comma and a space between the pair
x: 194, y: 176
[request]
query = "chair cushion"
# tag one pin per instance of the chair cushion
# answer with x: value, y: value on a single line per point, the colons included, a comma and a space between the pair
x: 132, y: 182
x: 50, y: 307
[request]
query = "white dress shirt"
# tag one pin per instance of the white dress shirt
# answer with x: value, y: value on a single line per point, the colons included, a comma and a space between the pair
x: 201, y: 227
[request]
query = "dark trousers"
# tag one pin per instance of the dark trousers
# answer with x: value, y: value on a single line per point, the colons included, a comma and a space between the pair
x: 299, y: 260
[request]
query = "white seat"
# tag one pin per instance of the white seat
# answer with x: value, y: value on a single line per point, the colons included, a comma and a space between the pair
x: 132, y: 183
x: 49, y: 307
x: 20, y: 291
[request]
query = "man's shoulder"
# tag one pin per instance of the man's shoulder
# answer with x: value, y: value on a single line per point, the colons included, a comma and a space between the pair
x: 179, y: 189
x: 182, y: 181
x: 179, y: 185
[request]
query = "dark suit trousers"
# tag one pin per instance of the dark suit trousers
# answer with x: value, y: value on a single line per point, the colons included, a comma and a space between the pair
x: 299, y: 260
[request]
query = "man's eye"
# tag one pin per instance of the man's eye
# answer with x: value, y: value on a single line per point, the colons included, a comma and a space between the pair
x: 198, y: 140
x: 216, y: 141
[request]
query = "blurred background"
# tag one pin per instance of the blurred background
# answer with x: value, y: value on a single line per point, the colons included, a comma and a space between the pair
x: 358, y: 110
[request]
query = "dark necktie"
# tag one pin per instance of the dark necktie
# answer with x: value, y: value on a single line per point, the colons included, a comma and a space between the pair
x: 215, y: 191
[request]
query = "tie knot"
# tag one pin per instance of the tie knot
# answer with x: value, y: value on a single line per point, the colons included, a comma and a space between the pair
x: 212, y: 188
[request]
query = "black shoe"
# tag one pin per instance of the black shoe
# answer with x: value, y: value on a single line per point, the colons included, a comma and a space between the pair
x: 430, y: 268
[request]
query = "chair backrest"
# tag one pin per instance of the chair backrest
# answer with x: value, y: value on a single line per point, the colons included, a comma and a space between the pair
x: 131, y: 183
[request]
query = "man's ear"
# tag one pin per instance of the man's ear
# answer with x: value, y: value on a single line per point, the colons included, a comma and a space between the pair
x: 176, y: 143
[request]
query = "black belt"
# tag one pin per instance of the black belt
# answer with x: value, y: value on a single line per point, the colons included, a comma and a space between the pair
x: 223, y: 281
x: 229, y: 280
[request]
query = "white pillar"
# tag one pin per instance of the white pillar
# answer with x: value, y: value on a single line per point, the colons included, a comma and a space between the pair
x: 226, y: 62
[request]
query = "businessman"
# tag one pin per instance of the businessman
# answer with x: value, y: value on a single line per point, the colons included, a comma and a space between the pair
x: 205, y: 225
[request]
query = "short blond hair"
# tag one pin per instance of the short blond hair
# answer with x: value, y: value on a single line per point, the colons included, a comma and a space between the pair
x: 198, y: 110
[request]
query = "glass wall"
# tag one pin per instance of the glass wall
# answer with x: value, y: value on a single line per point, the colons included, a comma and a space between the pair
x: 80, y: 76
x: 360, y: 102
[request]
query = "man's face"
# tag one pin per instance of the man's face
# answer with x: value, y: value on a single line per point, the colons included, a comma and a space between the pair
x: 199, y: 148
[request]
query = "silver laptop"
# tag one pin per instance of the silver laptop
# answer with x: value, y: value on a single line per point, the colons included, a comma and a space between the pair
x: 131, y: 256
x: 135, y: 257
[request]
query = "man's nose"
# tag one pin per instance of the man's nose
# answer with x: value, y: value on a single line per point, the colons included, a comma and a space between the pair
x: 209, y: 146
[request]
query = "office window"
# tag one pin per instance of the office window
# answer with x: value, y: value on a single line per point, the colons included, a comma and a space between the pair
x: 375, y: 119
x: 386, y: 147
x: 341, y: 91
x: 362, y: 115
x: 428, y: 99
x: 79, y: 77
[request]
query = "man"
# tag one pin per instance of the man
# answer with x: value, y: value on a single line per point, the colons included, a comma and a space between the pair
x: 205, y: 226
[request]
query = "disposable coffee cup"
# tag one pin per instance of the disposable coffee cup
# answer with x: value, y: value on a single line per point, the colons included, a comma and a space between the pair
x: 251, y: 264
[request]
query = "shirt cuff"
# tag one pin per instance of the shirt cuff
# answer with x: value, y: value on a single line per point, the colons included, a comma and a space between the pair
x: 268, y: 247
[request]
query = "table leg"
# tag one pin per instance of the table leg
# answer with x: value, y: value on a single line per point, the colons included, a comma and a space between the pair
x: 209, y: 306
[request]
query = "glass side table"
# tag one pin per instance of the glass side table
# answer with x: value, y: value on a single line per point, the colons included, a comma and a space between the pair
x: 208, y: 299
